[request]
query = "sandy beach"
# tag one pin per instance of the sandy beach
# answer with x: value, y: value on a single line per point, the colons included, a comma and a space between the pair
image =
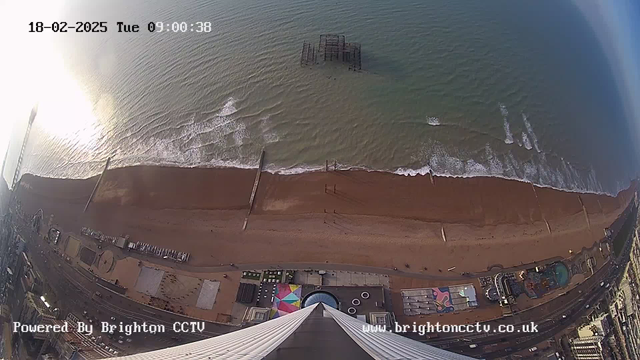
x: 372, y: 218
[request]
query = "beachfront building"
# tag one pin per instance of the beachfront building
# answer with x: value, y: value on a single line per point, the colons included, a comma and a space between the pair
x: 69, y: 345
x: 256, y: 315
x: 588, y: 348
x: 320, y: 330
x: 439, y: 300
x: 624, y: 307
x: 598, y: 326
x: 36, y: 311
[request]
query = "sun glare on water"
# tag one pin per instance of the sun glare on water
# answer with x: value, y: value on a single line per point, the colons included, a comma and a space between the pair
x: 34, y: 73
x: 64, y: 109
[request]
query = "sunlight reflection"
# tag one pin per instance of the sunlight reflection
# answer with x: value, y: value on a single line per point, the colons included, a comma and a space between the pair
x: 35, y: 73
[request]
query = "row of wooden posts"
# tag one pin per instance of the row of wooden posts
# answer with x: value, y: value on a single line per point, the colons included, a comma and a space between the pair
x: 326, y: 165
x: 326, y: 186
x: 326, y: 189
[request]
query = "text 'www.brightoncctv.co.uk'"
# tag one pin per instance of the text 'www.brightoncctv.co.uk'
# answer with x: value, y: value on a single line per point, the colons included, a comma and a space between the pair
x: 435, y: 328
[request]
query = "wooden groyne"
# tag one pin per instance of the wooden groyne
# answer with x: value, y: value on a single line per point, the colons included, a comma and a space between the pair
x: 95, y: 189
x: 255, y: 189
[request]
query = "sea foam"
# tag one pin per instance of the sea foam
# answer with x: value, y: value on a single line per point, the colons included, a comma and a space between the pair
x: 537, y: 170
x: 187, y: 144
x: 508, y: 136
x: 525, y: 141
x: 527, y: 125
x: 433, y: 121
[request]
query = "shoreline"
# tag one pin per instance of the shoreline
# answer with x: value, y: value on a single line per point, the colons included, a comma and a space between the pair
x: 308, y: 169
x: 352, y: 192
x: 373, y: 219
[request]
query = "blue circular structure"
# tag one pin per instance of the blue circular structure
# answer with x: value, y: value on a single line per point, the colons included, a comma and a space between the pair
x: 320, y: 296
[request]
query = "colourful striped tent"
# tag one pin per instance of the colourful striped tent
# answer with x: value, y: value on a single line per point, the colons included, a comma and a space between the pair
x: 286, y: 300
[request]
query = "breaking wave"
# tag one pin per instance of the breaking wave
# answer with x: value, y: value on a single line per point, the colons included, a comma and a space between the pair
x: 526, y: 142
x: 221, y: 139
x: 562, y: 175
x: 269, y: 135
x: 216, y: 138
x: 530, y: 131
x: 508, y: 136
x: 433, y: 121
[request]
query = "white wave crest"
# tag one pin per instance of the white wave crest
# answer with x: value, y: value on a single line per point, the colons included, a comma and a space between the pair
x: 538, y: 170
x: 495, y: 165
x: 527, y: 124
x: 433, y: 121
x: 229, y: 108
x: 413, y: 172
x: 268, y: 134
x: 300, y: 169
x: 473, y: 168
x: 503, y: 110
x: 525, y: 141
x: 508, y: 136
x: 445, y: 163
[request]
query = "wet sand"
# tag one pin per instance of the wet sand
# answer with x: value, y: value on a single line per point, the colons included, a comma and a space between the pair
x: 372, y: 218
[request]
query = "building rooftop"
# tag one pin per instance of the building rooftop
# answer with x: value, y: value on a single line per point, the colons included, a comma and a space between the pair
x: 444, y: 299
